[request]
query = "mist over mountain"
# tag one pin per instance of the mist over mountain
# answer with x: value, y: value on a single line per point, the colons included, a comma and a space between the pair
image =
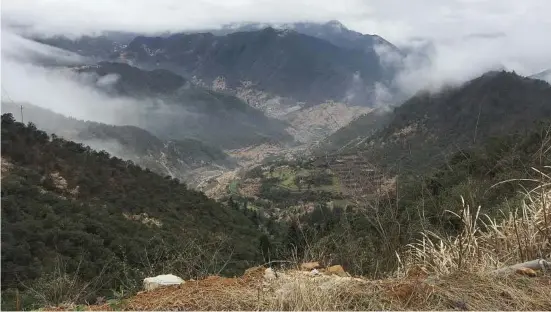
x: 280, y: 62
x: 115, y: 93
x: 332, y: 31
x: 178, y: 159
x: 180, y: 110
x: 544, y: 75
x: 429, y: 126
x: 101, y: 47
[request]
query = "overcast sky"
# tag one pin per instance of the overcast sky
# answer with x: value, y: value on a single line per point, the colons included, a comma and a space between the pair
x: 511, y: 29
x: 469, y: 36
x: 396, y: 20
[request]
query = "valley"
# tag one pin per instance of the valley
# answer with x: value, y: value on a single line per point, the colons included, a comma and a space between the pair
x: 289, y: 164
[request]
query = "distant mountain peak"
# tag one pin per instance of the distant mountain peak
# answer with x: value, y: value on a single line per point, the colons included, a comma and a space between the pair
x: 284, y: 62
x: 336, y: 25
x: 544, y: 75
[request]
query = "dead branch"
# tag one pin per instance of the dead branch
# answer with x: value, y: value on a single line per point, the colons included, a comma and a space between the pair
x: 536, y: 265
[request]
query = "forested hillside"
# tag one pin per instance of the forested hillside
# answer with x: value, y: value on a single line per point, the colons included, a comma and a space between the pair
x: 429, y: 127
x: 486, y: 142
x: 72, y: 213
x: 363, y: 230
x: 177, y: 158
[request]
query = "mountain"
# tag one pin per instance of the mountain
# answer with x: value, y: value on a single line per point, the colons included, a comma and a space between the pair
x: 355, y: 132
x: 179, y: 159
x: 336, y: 33
x: 100, y: 47
x: 282, y: 70
x: 544, y: 75
x: 332, y: 31
x: 72, y: 213
x: 282, y: 63
x: 178, y: 110
x: 429, y: 126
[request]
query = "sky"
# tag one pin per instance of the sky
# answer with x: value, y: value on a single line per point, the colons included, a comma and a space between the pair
x: 462, y: 38
x: 512, y: 31
x: 396, y: 20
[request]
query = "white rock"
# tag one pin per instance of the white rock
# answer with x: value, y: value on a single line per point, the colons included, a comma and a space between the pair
x: 315, y: 272
x: 150, y: 283
x: 269, y: 274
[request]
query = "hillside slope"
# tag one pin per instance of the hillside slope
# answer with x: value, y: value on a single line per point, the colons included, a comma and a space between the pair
x: 71, y: 212
x: 428, y: 127
x: 332, y: 31
x: 178, y: 158
x: 179, y: 110
x: 544, y: 75
x: 281, y: 62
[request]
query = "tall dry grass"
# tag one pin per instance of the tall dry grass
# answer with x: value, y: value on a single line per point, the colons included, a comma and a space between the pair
x: 484, y: 243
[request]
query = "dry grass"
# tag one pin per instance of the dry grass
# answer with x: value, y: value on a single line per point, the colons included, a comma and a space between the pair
x: 296, y: 291
x: 437, y: 273
x: 484, y: 243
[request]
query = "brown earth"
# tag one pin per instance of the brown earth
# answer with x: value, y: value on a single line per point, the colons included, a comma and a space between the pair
x: 304, y: 290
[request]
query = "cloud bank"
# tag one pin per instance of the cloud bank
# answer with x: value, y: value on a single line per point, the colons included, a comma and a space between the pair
x: 449, y: 41
x: 31, y: 73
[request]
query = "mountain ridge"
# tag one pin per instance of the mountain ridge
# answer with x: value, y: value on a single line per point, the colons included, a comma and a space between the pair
x: 188, y: 111
x: 249, y: 56
x: 495, y: 103
x: 178, y: 159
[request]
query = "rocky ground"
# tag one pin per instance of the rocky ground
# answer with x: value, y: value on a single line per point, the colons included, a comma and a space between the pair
x: 331, y: 288
x: 313, y: 124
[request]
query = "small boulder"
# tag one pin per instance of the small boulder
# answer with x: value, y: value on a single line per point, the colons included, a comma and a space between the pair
x: 336, y: 270
x: 269, y: 274
x: 150, y: 283
x: 309, y: 266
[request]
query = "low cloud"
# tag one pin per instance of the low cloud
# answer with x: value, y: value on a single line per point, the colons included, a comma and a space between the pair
x: 430, y: 64
x: 61, y: 92
x: 108, y: 80
x: 88, y: 17
x: 84, y: 96
x: 446, y: 42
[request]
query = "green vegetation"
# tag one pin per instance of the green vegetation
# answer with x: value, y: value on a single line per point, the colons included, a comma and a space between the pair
x: 106, y: 222
x: 485, y: 142
x: 78, y: 223
x: 422, y: 133
x: 290, y: 183
x: 177, y: 157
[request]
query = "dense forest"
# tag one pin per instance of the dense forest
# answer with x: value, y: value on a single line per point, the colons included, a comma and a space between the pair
x: 430, y: 126
x: 106, y: 221
x: 177, y: 158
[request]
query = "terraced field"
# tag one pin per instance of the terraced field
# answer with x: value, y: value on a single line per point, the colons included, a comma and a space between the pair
x: 356, y: 175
